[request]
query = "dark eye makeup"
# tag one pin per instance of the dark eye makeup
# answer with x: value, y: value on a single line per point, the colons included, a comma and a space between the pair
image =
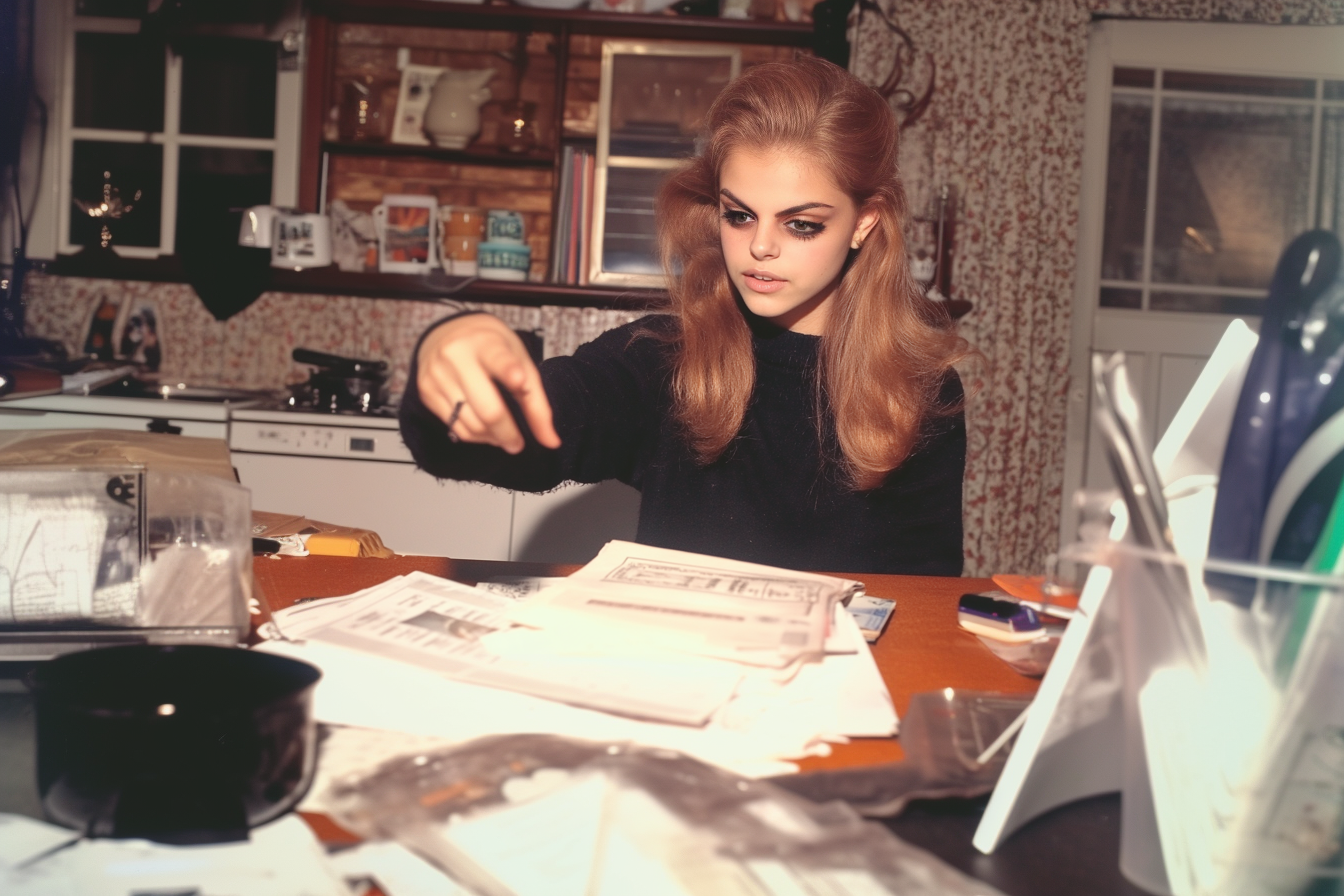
x: 803, y: 230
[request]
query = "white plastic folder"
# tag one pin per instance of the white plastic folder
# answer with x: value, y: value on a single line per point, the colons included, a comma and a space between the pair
x: 1072, y: 744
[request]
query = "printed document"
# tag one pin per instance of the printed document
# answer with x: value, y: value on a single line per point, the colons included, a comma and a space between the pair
x: 444, y: 626
x: 727, y: 609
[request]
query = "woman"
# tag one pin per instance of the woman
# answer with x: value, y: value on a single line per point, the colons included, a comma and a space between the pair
x: 797, y: 405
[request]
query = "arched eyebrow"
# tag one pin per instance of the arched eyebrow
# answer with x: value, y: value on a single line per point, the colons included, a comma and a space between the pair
x: 793, y: 210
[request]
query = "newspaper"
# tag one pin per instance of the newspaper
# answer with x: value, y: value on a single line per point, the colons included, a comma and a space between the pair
x: 725, y: 609
x: 447, y: 627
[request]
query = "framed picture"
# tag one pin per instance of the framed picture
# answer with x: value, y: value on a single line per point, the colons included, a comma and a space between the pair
x: 406, y: 234
x: 651, y: 106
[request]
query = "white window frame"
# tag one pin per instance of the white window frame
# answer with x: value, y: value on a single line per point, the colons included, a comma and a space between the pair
x: 57, y: 27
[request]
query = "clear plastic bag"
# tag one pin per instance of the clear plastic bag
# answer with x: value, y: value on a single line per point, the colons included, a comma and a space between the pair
x: 538, y: 814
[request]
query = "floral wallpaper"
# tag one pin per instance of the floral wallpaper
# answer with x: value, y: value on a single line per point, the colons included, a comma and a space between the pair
x: 1005, y: 127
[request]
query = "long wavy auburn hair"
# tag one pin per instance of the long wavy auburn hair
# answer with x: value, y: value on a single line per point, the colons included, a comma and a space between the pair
x: 885, y: 348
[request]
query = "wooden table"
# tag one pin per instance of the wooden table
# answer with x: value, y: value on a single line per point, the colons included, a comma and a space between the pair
x: 1070, y: 851
x: 922, y: 649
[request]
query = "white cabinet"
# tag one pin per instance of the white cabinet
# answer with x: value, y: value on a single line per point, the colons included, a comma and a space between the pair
x: 411, y: 511
x: 414, y: 513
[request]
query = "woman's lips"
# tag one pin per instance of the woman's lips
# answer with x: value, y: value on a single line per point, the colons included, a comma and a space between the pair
x: 763, y: 283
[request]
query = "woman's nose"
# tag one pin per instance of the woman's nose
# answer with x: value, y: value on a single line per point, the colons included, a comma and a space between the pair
x: 763, y: 244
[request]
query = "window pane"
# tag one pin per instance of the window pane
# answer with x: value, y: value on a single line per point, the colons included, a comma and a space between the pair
x: 1250, y: 85
x: 1332, y: 170
x: 132, y: 166
x: 1113, y: 297
x: 1334, y: 90
x: 118, y: 82
x: 1207, y: 303
x: 112, y: 9
x: 629, y: 239
x: 1231, y: 190
x: 210, y: 183
x: 1132, y: 77
x: 1126, y: 188
x: 228, y: 87
x: 658, y: 102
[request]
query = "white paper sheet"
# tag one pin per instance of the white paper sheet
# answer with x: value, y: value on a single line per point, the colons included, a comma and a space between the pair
x: 282, y: 858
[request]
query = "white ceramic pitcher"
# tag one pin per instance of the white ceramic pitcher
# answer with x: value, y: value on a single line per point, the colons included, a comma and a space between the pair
x: 453, y: 115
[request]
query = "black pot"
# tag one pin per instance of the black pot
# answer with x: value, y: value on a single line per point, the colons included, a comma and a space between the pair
x: 341, y: 384
x: 179, y: 744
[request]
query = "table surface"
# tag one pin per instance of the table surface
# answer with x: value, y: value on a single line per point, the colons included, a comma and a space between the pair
x: 1072, y: 850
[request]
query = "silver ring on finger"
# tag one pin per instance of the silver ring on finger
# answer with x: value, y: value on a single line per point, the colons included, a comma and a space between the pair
x: 452, y: 421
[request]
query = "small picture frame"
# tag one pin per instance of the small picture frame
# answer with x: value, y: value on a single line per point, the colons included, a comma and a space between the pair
x: 407, y: 242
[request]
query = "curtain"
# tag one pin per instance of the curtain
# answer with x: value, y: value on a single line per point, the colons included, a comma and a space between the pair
x: 1005, y: 129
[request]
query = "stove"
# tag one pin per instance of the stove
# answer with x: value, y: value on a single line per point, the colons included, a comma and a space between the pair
x: 287, y: 430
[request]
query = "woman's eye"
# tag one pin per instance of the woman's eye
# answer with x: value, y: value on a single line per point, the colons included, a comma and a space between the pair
x: 805, y: 228
x: 736, y: 217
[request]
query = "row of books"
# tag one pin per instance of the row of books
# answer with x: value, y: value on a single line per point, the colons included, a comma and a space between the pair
x: 574, y: 213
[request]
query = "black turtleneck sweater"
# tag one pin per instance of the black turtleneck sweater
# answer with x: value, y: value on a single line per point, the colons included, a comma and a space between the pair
x: 770, y: 498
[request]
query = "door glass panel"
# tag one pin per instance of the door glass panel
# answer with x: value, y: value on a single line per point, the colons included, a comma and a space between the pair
x: 1231, y: 191
x: 1115, y: 297
x: 1207, y: 303
x: 118, y: 82
x: 1126, y: 187
x: 132, y: 167
x: 1246, y: 85
x: 228, y: 87
x: 1132, y: 77
x: 1331, y: 200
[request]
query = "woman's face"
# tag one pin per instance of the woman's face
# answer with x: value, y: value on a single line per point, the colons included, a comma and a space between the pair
x: 786, y: 229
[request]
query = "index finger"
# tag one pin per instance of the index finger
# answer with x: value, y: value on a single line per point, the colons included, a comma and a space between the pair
x: 537, y: 409
x: 513, y: 371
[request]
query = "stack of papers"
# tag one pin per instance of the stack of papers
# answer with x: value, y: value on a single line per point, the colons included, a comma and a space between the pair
x: 745, y: 612
x: 772, y: 668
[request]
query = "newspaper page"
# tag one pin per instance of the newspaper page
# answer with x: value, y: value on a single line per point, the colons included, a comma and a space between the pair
x: 726, y: 609
x: 444, y: 626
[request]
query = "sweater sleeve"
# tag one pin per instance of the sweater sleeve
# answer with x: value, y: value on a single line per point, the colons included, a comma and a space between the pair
x: 604, y: 400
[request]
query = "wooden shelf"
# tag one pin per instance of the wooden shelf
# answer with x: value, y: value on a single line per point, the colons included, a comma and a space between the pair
x: 495, y: 17
x: 435, y: 286
x: 439, y: 286
x: 486, y: 156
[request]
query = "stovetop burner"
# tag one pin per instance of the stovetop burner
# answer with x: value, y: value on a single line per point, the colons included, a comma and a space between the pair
x: 341, y: 386
x: 313, y: 398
